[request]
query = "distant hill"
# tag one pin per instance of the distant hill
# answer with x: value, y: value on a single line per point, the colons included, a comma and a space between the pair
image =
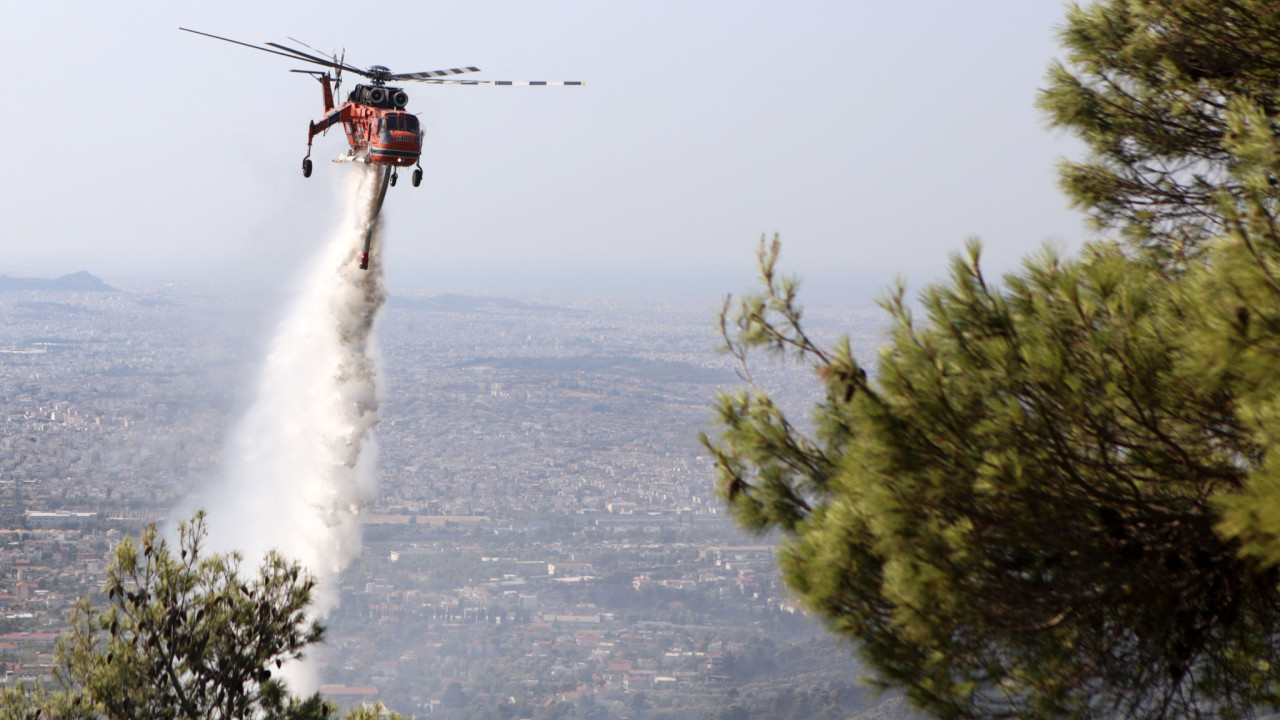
x: 77, y: 282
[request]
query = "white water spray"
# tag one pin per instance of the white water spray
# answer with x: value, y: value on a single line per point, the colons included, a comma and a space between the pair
x: 299, y: 467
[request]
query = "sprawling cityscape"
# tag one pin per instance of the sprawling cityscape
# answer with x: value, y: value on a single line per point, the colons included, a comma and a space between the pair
x: 546, y: 543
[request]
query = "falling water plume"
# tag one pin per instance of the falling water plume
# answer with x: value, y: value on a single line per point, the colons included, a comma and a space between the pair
x: 299, y: 467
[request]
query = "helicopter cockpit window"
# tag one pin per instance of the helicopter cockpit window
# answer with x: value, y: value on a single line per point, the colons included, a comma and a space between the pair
x: 402, y: 123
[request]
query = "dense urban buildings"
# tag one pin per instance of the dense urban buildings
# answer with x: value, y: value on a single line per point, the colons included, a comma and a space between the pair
x: 546, y: 543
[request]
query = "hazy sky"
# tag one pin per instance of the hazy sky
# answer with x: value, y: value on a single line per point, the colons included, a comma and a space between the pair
x: 874, y: 136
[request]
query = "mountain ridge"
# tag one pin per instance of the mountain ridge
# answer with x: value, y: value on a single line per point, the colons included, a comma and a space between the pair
x: 74, y: 282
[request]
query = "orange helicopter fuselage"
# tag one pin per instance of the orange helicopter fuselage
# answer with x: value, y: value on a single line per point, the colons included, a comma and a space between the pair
x: 378, y: 128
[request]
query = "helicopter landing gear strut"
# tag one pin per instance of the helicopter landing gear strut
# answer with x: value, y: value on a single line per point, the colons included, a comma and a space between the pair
x: 417, y: 176
x: 394, y: 176
x: 306, y: 160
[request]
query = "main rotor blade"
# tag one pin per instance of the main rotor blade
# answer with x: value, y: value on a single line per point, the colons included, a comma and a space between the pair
x: 433, y: 73
x: 315, y: 50
x: 255, y: 47
x: 319, y: 61
x: 438, y: 81
x: 341, y: 60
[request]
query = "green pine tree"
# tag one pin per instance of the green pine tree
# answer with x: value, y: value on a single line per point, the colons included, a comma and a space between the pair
x: 1146, y: 86
x: 183, y: 636
x: 1018, y: 517
x: 1056, y: 496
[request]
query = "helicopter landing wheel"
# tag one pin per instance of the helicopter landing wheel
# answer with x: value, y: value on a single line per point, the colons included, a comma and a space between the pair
x: 306, y: 167
x: 417, y: 177
x: 394, y: 177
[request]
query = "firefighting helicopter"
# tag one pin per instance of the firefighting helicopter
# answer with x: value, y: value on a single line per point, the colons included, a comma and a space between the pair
x: 379, y: 130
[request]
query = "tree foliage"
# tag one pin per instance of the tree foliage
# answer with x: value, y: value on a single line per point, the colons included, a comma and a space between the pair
x: 183, y: 636
x: 1059, y: 495
x: 1148, y: 86
x: 1018, y: 517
